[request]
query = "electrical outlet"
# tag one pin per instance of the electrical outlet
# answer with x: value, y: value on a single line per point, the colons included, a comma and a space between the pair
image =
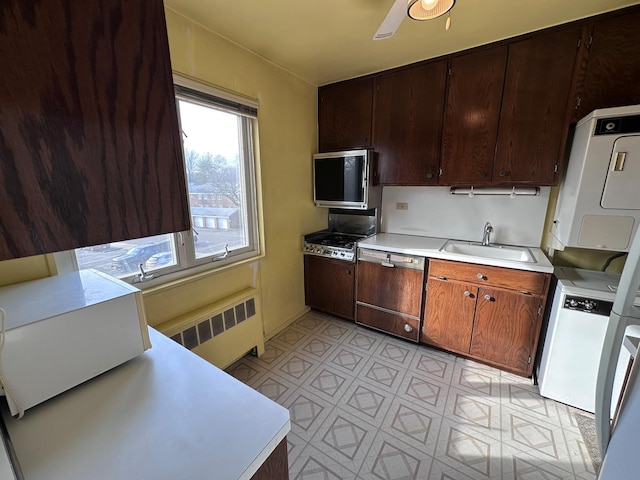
x: 402, y: 206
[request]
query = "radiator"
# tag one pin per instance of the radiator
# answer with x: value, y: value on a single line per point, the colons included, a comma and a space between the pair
x: 223, y: 331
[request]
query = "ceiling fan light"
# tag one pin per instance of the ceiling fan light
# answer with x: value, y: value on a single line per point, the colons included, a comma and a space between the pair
x: 417, y: 10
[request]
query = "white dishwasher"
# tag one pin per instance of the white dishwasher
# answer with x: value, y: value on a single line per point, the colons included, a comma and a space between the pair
x: 575, y: 334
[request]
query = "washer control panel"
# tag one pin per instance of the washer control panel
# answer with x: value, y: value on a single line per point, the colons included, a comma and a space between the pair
x: 589, y: 305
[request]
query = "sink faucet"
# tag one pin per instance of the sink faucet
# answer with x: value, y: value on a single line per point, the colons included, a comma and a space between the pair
x: 486, y: 234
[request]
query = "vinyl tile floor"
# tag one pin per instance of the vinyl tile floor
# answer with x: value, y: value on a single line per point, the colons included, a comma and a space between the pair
x: 365, y: 405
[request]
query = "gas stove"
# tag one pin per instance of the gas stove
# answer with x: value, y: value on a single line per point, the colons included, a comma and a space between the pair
x: 346, y: 227
x: 331, y: 244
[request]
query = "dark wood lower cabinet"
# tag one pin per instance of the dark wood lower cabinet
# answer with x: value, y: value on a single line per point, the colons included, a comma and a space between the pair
x: 506, y: 327
x: 470, y: 310
x: 276, y: 466
x: 329, y: 285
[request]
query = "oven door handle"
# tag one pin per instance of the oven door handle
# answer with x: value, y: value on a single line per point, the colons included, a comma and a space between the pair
x: 387, y: 264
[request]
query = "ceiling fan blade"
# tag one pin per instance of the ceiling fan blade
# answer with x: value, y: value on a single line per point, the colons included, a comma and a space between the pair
x: 392, y: 21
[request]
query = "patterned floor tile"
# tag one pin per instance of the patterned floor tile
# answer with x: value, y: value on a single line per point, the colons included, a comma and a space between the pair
x: 364, y: 340
x: 396, y: 351
x: 366, y: 402
x: 521, y: 465
x: 311, y: 322
x: 434, y: 365
x: 351, y: 360
x: 313, y: 464
x: 478, y: 381
x: 344, y: 437
x: 544, y: 440
x: 336, y: 331
x: 413, y: 425
x: 329, y: 383
x: 468, y: 451
x: 318, y: 347
x: 424, y: 392
x: 367, y: 406
x: 478, y: 413
x: 382, y: 374
x: 247, y: 371
x: 390, y: 459
x: 274, y: 387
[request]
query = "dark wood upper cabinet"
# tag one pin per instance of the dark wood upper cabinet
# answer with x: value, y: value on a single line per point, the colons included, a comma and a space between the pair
x: 534, y: 108
x: 89, y: 139
x: 612, y: 77
x: 407, y: 124
x: 345, y: 114
x: 472, y: 113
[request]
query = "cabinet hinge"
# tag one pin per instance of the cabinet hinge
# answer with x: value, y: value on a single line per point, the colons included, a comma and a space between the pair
x: 529, y: 360
x: 440, y: 172
x: 579, y: 42
x: 555, y: 168
x: 449, y: 73
x: 578, y: 101
x: 426, y: 286
x: 539, y: 310
x: 590, y: 42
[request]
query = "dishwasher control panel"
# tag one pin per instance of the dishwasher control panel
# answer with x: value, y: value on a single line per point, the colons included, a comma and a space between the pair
x: 589, y: 305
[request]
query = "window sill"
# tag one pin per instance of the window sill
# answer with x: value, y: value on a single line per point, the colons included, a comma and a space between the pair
x: 194, y: 274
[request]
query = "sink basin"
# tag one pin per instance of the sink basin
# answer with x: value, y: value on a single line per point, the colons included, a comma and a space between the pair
x: 495, y: 251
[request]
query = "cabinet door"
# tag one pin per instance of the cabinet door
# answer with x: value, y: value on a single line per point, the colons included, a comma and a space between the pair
x: 448, y: 314
x: 408, y: 111
x: 613, y: 69
x: 505, y: 327
x: 344, y: 115
x: 329, y: 285
x: 91, y: 150
x: 471, y: 117
x: 396, y: 289
x: 534, y: 108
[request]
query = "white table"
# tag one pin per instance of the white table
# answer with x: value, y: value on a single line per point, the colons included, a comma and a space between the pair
x: 166, y: 414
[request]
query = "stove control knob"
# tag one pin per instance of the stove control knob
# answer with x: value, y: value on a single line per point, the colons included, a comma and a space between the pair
x: 318, y: 250
x: 589, y: 305
x: 573, y: 303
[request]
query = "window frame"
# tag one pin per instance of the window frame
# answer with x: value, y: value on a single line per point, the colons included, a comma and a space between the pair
x: 183, y: 244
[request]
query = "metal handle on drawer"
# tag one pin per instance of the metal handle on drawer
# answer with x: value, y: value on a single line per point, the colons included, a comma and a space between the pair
x: 408, y: 328
x: 480, y: 276
x: 467, y: 293
x: 488, y: 298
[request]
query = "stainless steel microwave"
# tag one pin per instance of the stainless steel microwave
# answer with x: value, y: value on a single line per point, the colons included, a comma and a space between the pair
x: 346, y: 179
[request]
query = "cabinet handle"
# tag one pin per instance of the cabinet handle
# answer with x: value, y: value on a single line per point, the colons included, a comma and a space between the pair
x: 502, y: 173
x: 482, y: 174
x: 488, y: 298
x: 467, y: 293
x: 429, y: 175
x: 480, y: 276
x: 408, y: 328
x: 348, y: 272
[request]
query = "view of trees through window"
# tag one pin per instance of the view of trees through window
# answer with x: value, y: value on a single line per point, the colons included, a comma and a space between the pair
x: 215, y: 161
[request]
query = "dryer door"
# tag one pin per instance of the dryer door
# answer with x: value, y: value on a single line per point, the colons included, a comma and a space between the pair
x: 623, y: 177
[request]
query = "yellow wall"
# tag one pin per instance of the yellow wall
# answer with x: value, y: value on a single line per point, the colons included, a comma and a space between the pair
x: 287, y: 119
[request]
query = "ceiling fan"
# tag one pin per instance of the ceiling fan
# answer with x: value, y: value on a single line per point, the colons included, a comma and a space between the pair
x: 415, y: 9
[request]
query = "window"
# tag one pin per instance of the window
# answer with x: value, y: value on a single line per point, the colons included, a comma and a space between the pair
x: 220, y: 171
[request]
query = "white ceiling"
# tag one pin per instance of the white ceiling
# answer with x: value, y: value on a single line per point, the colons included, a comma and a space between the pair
x: 324, y: 41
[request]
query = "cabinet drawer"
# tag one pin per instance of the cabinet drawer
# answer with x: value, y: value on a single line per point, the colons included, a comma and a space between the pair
x: 388, y: 322
x: 531, y: 282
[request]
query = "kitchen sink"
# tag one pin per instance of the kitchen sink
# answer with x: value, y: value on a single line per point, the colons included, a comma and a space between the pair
x: 494, y: 251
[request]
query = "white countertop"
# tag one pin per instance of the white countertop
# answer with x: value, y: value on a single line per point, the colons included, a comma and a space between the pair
x: 166, y: 414
x: 430, y: 247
